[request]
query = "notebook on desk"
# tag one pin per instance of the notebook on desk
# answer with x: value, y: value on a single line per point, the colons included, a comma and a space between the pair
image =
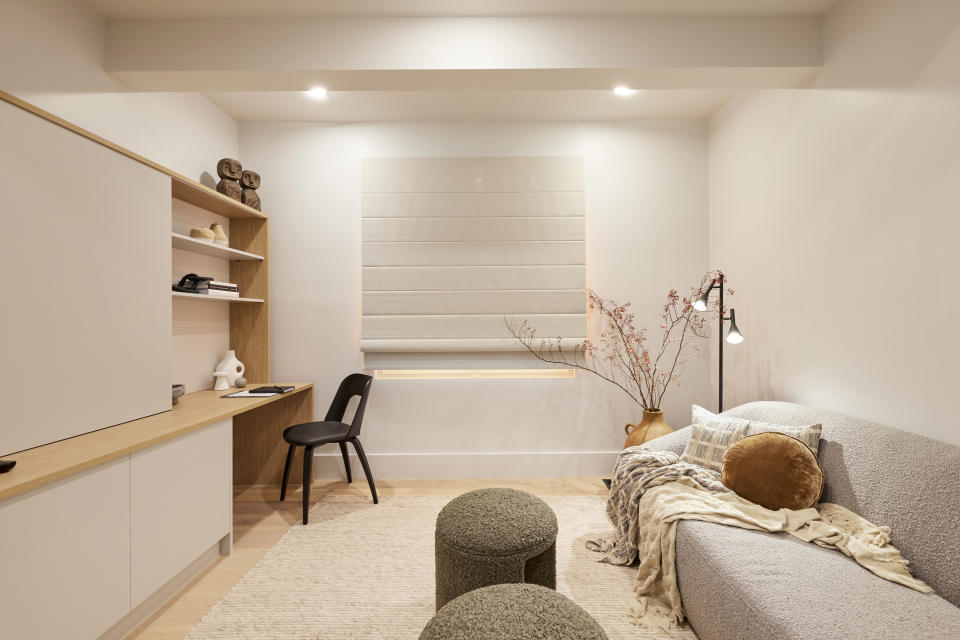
x: 261, y: 392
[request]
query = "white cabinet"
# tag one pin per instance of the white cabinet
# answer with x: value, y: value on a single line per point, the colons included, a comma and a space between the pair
x: 181, y: 495
x: 65, y: 556
x: 85, y: 257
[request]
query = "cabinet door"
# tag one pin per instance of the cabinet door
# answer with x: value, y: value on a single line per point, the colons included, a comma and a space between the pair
x: 65, y: 556
x: 85, y: 260
x: 181, y: 501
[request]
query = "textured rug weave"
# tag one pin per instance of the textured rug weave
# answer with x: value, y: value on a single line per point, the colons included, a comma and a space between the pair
x: 360, y: 570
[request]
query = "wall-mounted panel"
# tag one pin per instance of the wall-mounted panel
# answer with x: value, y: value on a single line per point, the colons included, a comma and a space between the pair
x: 85, y: 254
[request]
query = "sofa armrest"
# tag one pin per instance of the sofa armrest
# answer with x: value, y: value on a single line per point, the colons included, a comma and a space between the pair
x: 674, y: 442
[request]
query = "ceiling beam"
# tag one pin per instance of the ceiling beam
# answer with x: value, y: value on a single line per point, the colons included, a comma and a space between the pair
x: 469, y: 53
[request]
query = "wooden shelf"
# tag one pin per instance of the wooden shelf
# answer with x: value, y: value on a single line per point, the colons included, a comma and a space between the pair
x: 187, y: 243
x: 210, y: 199
x: 198, y: 296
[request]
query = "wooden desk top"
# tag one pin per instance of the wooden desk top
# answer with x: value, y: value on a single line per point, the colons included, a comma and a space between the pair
x: 43, y: 465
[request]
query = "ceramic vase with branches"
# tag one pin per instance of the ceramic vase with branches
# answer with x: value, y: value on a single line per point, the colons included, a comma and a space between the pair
x: 641, y: 366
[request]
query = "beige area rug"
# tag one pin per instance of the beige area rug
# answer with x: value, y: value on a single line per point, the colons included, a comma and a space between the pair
x: 360, y: 570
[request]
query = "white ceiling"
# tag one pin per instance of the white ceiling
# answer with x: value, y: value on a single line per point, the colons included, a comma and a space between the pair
x: 473, y: 106
x: 194, y: 9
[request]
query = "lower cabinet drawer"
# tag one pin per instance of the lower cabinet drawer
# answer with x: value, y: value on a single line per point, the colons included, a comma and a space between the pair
x: 65, y: 556
x: 181, y: 496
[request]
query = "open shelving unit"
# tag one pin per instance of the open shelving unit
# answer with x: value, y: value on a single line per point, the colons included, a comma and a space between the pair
x: 248, y: 255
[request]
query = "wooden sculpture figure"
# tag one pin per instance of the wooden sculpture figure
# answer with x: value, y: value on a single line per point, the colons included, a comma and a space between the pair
x: 229, y: 171
x: 250, y: 181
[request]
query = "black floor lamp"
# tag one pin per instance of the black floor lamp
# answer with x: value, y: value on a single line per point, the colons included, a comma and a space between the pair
x: 733, y: 335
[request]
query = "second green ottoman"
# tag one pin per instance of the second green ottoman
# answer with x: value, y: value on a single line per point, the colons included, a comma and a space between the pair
x: 494, y: 536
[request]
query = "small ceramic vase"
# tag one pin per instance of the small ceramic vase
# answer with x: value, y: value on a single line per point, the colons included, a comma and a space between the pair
x: 232, y: 367
x: 219, y: 235
x: 221, y: 383
x: 651, y: 426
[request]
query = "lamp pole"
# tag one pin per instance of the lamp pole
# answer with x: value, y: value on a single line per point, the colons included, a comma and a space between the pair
x: 720, y: 357
x: 733, y: 336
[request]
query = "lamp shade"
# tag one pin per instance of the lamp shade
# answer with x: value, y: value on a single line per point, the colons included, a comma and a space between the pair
x: 700, y: 304
x: 733, y: 335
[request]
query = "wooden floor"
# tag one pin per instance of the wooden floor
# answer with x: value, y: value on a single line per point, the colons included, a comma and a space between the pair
x: 260, y: 519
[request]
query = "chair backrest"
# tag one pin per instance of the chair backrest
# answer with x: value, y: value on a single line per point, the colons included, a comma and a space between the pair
x: 355, y: 384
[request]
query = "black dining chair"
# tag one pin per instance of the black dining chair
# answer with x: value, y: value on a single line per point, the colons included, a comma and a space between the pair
x: 332, y: 429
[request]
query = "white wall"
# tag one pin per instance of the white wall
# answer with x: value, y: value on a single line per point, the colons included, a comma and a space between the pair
x: 835, y: 214
x: 53, y: 54
x: 646, y: 215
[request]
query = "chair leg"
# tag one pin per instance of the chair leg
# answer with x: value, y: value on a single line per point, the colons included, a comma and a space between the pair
x: 307, y: 480
x: 286, y: 473
x: 346, y: 461
x: 366, y: 468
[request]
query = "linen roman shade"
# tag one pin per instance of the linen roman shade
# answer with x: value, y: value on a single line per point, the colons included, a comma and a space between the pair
x: 453, y: 245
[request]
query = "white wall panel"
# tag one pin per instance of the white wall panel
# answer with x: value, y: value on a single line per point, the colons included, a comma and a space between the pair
x: 86, y: 254
x: 645, y: 222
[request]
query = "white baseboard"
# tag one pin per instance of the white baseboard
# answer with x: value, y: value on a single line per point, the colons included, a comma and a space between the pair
x: 520, y: 464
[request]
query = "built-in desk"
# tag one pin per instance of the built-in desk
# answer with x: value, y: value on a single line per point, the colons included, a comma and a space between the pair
x: 102, y: 528
x: 258, y: 449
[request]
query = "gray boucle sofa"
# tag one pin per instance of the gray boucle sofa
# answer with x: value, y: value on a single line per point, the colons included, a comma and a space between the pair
x: 740, y: 585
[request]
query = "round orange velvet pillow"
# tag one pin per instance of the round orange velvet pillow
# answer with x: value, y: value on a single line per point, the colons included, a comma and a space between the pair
x: 774, y: 471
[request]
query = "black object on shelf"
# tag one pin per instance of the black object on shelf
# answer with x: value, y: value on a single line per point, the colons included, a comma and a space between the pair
x: 332, y: 429
x: 606, y: 481
x: 190, y: 283
x: 6, y: 465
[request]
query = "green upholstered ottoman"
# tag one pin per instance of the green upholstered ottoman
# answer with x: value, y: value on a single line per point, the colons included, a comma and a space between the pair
x: 494, y: 536
x: 512, y: 612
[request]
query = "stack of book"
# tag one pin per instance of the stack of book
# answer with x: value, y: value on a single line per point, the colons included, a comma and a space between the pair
x: 219, y: 289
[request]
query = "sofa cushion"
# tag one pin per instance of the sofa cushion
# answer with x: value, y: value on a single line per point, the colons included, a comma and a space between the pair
x: 774, y: 471
x: 738, y: 585
x: 808, y: 435
x: 890, y: 477
x: 709, y: 442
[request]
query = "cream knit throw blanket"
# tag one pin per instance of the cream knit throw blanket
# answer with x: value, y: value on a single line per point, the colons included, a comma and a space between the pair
x: 653, y: 527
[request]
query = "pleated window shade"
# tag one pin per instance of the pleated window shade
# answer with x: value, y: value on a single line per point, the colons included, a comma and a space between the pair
x: 453, y: 245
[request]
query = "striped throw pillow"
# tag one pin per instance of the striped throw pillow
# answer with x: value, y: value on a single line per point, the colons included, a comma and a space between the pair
x: 808, y: 435
x: 709, y: 442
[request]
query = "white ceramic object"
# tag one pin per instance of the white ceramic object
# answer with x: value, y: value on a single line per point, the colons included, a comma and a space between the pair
x: 232, y: 367
x: 221, y: 383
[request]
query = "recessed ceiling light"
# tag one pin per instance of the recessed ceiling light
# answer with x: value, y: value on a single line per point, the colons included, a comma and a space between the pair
x: 623, y: 91
x: 318, y: 93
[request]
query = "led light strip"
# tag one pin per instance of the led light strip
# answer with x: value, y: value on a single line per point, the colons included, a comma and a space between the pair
x: 477, y: 374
